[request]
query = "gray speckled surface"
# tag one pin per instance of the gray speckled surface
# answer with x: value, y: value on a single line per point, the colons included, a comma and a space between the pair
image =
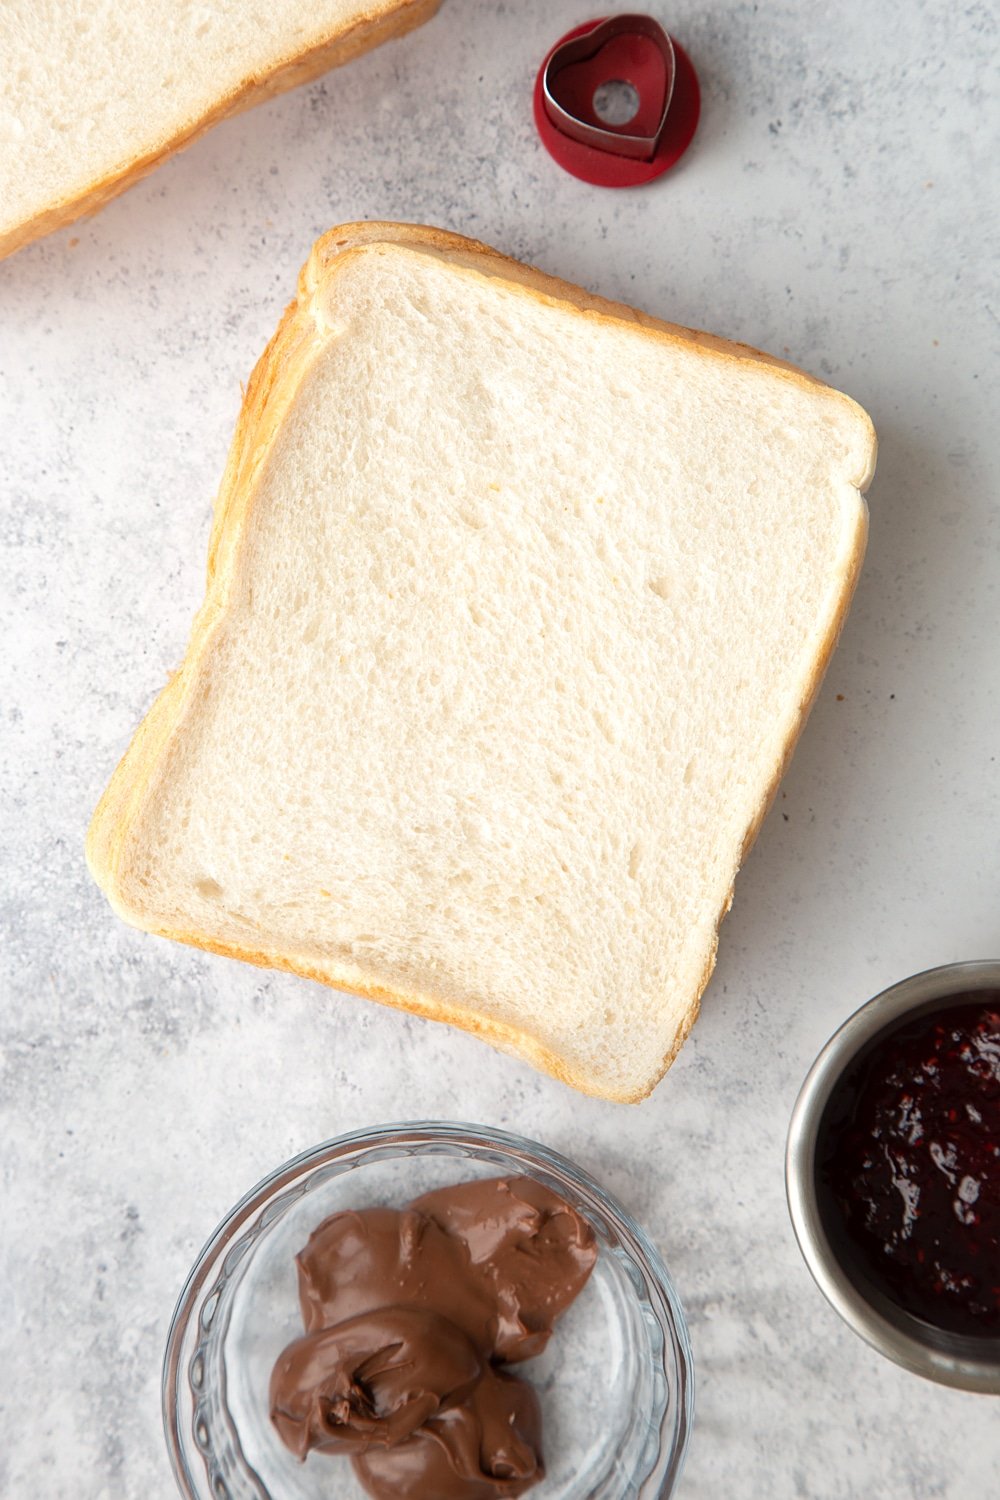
x: 835, y: 208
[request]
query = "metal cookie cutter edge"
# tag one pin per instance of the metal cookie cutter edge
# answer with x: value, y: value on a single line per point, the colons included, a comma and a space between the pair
x: 582, y: 49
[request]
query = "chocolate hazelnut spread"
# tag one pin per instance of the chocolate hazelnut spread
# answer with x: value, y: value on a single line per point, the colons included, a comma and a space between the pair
x: 489, y: 1445
x: 408, y: 1314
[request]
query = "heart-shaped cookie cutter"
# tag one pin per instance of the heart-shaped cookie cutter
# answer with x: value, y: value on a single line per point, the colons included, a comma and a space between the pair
x: 617, y: 140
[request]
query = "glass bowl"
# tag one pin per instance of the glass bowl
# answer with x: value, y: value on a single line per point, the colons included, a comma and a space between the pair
x: 966, y: 1362
x: 615, y: 1382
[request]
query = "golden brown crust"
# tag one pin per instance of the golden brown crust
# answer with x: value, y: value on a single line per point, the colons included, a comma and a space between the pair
x: 268, y: 396
x: 484, y: 259
x: 382, y: 23
x: 812, y: 692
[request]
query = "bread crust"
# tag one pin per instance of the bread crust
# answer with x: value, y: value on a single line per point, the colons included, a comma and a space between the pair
x: 268, y: 397
x: 382, y: 22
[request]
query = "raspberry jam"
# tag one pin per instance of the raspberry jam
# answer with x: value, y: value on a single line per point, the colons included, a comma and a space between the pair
x: 908, y: 1161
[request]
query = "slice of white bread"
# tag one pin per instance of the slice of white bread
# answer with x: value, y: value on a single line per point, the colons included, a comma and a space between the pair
x: 94, y: 93
x: 517, y: 601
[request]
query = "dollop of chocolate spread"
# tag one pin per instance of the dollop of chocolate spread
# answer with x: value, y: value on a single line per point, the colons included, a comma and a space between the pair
x: 371, y: 1379
x: 408, y: 1314
x: 488, y: 1445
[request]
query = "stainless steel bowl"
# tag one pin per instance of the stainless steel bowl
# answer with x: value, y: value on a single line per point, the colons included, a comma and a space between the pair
x: 970, y: 1363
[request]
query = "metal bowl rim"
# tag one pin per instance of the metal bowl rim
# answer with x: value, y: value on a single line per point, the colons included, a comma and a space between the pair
x: 968, y: 1367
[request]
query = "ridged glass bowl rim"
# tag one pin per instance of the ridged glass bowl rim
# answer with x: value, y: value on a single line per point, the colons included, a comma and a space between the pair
x: 525, y: 1155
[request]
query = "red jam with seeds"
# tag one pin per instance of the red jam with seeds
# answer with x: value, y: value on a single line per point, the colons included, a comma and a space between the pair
x: 909, y: 1165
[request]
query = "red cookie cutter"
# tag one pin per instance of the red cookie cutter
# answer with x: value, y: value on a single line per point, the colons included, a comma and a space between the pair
x: 630, y: 49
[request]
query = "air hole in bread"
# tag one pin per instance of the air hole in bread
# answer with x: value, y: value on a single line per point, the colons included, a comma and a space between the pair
x: 605, y: 725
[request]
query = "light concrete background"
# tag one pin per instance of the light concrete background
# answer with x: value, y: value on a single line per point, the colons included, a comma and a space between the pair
x: 838, y: 207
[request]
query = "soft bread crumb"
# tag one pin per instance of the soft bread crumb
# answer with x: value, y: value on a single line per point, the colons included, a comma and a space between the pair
x: 510, y: 631
x: 74, y: 130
